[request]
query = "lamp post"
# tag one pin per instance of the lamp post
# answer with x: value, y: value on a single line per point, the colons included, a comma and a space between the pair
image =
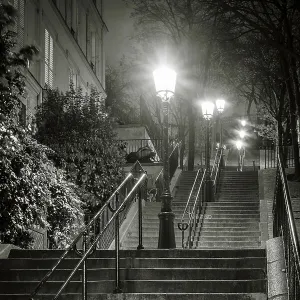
x: 208, y: 110
x: 165, y: 80
x: 220, y: 104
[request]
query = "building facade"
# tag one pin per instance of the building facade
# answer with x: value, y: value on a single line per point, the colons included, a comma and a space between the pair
x: 69, y: 35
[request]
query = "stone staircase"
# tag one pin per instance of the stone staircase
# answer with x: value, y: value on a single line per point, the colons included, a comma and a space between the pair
x: 232, y: 221
x: 150, y: 216
x: 145, y: 274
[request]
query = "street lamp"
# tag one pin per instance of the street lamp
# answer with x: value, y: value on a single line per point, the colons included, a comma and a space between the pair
x: 208, y: 110
x: 242, y: 133
x: 243, y: 122
x: 239, y: 145
x: 220, y: 104
x: 165, y: 81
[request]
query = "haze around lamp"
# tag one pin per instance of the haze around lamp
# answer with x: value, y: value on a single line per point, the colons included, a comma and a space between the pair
x: 165, y: 81
x: 207, y: 110
x: 239, y: 144
x: 220, y: 104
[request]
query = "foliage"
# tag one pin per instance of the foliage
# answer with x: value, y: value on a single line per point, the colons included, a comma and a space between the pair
x: 33, y: 191
x: 11, y: 63
x: 121, y: 94
x: 81, y: 132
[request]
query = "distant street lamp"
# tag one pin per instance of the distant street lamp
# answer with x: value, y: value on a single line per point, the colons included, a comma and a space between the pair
x: 220, y: 104
x: 242, y: 133
x: 239, y: 145
x: 207, y: 111
x: 165, y: 81
x: 243, y: 122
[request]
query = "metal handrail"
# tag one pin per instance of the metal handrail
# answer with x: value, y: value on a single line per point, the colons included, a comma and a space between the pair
x: 190, y: 195
x: 215, y: 160
x: 85, y: 231
x: 284, y: 225
x: 192, y: 215
x: 217, y: 164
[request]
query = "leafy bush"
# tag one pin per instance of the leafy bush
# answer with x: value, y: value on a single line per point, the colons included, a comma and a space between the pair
x: 80, y: 131
x: 33, y: 191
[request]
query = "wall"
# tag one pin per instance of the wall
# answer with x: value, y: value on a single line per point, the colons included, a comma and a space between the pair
x: 73, y: 50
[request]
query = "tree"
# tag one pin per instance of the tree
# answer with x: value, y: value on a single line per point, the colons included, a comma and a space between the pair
x: 122, y: 98
x: 275, y: 24
x: 181, y: 32
x: 80, y: 130
x: 33, y: 191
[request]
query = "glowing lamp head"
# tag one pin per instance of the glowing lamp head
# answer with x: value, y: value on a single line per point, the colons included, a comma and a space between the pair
x: 239, y: 145
x: 243, y: 122
x: 165, y: 81
x: 220, y: 104
x: 208, y: 110
x: 242, y: 133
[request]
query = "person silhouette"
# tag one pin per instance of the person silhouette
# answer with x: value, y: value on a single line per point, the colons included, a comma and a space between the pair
x: 241, y: 158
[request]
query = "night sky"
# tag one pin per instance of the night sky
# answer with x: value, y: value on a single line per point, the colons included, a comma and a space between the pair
x: 120, y: 26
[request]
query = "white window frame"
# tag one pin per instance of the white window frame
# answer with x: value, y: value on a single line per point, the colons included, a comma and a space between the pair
x: 49, y: 59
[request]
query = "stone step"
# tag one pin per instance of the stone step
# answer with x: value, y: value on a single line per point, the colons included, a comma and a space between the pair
x: 232, y: 215
x: 143, y: 286
x: 134, y: 235
x: 138, y: 274
x: 144, y: 296
x: 224, y: 233
x: 234, y: 224
x: 233, y: 204
x: 93, y: 263
x: 240, y: 228
x: 238, y: 209
x: 138, y: 286
x: 226, y: 244
x: 158, y: 253
x: 236, y: 238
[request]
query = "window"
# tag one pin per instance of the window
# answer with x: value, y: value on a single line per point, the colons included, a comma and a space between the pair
x: 48, y: 59
x: 19, y: 26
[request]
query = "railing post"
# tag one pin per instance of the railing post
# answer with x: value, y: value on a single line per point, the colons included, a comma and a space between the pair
x: 84, y: 277
x: 117, y: 249
x: 140, y: 246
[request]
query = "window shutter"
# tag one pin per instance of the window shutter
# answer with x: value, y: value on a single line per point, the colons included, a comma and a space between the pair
x: 49, y: 59
x: 19, y: 25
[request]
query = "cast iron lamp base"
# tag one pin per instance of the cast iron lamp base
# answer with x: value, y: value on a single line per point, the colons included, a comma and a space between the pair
x: 166, y: 238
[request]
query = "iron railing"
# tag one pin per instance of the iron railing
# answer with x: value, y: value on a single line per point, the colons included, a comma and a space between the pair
x: 192, y: 210
x: 216, y: 171
x: 133, y: 145
x: 173, y: 165
x: 91, y: 234
x: 284, y: 225
x: 269, y: 154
